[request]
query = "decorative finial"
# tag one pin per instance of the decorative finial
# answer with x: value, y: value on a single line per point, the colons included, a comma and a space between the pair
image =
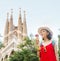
x: 11, y: 11
x: 11, y: 16
x: 20, y: 10
x: 24, y: 13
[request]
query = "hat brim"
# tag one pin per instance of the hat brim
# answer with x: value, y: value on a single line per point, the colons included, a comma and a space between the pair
x: 46, y: 28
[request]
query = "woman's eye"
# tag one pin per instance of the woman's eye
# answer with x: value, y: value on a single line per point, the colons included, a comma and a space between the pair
x: 43, y: 31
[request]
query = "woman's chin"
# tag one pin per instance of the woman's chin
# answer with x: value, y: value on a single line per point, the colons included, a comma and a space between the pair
x: 42, y: 36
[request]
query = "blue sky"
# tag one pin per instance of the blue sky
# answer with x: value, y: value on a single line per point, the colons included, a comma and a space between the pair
x: 39, y: 13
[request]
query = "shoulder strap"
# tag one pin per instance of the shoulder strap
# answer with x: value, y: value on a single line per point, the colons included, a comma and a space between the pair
x: 53, y: 42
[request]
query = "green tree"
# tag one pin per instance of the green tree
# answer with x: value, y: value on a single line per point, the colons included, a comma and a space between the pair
x: 27, y: 52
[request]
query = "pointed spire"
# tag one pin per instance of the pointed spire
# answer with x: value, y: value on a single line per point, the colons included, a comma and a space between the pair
x: 20, y: 17
x: 19, y: 25
x: 6, y: 30
x: 24, y: 26
x: 11, y: 25
x: 11, y: 21
x: 25, y: 15
x: 19, y: 13
x: 11, y: 17
x: 7, y: 24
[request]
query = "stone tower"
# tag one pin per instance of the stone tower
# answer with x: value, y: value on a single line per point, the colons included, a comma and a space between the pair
x: 11, y: 25
x: 24, y: 26
x: 6, y: 31
x: 20, y: 25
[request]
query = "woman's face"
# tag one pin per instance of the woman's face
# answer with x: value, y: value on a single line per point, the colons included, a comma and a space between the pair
x: 43, y: 33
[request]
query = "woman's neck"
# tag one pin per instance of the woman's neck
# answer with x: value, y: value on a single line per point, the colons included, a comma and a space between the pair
x: 45, y: 39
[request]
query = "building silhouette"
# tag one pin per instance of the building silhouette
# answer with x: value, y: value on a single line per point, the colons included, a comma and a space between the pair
x: 13, y: 35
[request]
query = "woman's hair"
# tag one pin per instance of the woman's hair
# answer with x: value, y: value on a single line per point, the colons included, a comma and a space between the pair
x: 49, y: 36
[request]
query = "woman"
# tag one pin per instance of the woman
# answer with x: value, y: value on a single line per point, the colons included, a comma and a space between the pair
x: 48, y: 49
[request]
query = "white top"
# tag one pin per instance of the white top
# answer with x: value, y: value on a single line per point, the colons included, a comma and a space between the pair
x: 46, y: 43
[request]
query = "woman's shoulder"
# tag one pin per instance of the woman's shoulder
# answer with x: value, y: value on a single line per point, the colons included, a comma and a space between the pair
x: 53, y: 41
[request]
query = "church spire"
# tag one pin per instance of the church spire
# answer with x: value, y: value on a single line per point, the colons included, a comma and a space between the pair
x: 11, y: 21
x: 6, y: 31
x: 11, y: 25
x: 20, y: 25
x: 24, y: 26
x: 20, y: 13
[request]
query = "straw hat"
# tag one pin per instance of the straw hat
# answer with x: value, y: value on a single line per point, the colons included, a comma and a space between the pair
x: 46, y: 28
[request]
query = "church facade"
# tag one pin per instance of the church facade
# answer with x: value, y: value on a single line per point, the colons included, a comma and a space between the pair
x: 13, y: 35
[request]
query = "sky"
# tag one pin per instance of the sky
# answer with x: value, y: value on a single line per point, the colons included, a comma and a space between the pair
x: 38, y: 13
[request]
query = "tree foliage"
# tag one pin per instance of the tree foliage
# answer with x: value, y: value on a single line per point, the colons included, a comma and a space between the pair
x: 27, y: 52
